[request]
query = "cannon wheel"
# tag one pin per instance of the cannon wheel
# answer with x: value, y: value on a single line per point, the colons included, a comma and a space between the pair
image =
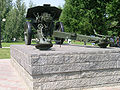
x: 59, y: 27
x: 28, y: 33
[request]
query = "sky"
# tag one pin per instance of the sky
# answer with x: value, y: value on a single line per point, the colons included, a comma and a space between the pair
x: 41, y: 2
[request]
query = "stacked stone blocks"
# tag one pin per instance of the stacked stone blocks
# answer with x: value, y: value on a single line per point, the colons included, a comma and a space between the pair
x: 68, y: 67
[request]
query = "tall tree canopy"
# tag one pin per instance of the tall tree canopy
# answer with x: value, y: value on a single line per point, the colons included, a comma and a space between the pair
x: 113, y: 15
x: 82, y: 16
x: 14, y: 27
x: 5, y: 7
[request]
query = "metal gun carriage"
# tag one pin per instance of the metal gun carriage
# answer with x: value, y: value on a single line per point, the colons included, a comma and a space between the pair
x: 44, y: 19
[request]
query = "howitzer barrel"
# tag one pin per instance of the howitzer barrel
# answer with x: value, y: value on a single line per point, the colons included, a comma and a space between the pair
x: 65, y: 35
x: 79, y: 37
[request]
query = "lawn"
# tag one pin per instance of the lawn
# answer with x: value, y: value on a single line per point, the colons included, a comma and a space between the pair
x: 80, y: 43
x: 4, y: 53
x: 4, y: 44
x: 11, y: 43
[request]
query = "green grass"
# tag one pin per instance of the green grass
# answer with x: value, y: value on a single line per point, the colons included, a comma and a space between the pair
x: 4, y: 53
x: 80, y: 43
x: 11, y: 43
x: 75, y: 42
x: 4, y: 44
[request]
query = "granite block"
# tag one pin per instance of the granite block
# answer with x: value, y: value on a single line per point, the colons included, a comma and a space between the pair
x: 70, y: 67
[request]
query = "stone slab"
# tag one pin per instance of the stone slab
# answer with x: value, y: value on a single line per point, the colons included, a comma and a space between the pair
x: 66, y: 67
x: 65, y: 59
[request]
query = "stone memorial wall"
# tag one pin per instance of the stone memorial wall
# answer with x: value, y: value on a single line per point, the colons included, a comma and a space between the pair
x: 69, y: 67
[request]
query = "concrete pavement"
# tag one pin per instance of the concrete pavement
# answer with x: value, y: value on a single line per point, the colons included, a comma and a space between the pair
x: 9, y: 79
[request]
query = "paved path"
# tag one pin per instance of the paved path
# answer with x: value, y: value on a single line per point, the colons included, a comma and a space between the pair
x: 5, y: 47
x: 9, y: 79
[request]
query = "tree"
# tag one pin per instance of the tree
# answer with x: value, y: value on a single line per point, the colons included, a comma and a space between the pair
x: 31, y: 4
x: 82, y: 16
x: 113, y: 16
x: 10, y: 31
x: 20, y: 11
x: 14, y: 27
x: 5, y: 6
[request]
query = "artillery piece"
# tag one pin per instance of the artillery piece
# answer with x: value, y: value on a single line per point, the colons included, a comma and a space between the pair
x: 44, y: 20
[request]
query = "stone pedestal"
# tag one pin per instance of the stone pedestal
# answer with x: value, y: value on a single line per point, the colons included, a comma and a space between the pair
x: 68, y: 67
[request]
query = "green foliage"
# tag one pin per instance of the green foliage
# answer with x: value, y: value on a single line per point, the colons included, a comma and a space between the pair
x: 110, y: 33
x: 9, y: 32
x: 75, y: 17
x: 5, y: 7
x: 4, y: 44
x: 31, y: 4
x: 113, y: 15
x: 14, y: 26
x: 82, y: 16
